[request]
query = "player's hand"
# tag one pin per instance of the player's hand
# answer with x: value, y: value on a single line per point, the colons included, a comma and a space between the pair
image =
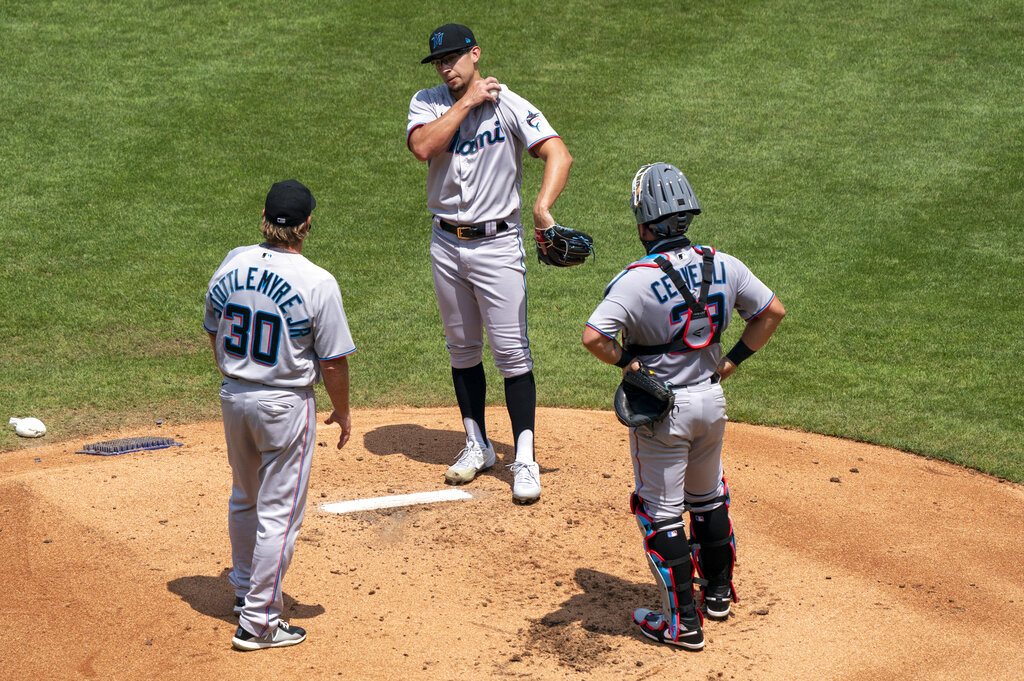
x: 542, y: 217
x: 538, y: 236
x: 725, y: 369
x: 541, y: 220
x: 345, y: 421
x: 483, y: 90
x: 632, y: 366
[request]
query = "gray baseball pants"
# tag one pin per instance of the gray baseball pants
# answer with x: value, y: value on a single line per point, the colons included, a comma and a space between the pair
x: 271, y: 435
x: 679, y: 459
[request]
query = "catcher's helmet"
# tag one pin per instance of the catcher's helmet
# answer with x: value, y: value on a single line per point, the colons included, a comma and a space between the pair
x: 661, y: 190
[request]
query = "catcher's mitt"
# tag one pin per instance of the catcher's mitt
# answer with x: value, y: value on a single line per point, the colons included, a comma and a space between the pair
x: 642, y: 399
x: 565, y: 247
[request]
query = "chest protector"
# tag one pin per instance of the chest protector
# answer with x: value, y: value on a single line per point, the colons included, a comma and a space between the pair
x: 698, y: 330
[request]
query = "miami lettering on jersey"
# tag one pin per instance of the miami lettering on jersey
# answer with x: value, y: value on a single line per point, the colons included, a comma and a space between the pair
x: 265, y: 282
x: 471, y: 146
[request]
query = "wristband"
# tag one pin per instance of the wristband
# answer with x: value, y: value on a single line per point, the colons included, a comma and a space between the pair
x: 739, y: 352
x: 625, y: 358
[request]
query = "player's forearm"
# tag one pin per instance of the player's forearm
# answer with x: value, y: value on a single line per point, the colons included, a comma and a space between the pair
x: 427, y: 141
x: 336, y: 381
x: 557, y: 162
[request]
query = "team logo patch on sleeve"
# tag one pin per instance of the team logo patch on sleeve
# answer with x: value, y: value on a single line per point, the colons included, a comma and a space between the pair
x: 531, y: 119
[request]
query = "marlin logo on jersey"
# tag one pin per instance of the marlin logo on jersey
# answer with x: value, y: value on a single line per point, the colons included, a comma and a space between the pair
x: 436, y: 39
x: 531, y: 119
x: 471, y: 146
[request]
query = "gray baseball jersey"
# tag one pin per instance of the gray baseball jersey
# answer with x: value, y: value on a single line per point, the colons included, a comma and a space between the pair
x: 644, y: 304
x: 678, y: 459
x: 479, y: 176
x: 275, y: 315
x: 481, y: 282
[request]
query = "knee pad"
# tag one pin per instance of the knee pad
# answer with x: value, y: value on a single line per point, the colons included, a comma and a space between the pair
x: 713, y: 542
x: 669, y: 558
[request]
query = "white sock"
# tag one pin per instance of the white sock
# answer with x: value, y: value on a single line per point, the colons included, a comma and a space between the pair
x: 473, y: 433
x: 524, y: 447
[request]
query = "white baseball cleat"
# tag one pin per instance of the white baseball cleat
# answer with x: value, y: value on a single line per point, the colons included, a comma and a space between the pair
x: 472, y: 460
x: 525, y: 482
x: 280, y: 636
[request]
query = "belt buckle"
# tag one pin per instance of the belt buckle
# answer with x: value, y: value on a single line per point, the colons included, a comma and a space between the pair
x: 468, y: 233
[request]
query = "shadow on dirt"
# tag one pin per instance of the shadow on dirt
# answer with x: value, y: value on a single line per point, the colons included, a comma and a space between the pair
x: 214, y: 597
x: 605, y: 607
x: 439, y: 447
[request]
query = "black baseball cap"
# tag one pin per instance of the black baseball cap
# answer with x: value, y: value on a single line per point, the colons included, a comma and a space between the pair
x: 448, y: 38
x: 289, y: 203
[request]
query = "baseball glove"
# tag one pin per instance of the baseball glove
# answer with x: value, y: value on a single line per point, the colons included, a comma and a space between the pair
x: 641, y: 399
x: 565, y: 247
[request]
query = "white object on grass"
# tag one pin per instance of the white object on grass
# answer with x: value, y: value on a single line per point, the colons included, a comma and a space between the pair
x: 28, y: 427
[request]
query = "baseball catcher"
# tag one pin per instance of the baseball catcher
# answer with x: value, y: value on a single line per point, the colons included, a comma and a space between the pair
x: 670, y: 308
x: 563, y: 247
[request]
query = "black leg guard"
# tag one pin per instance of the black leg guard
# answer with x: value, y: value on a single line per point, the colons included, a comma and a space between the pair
x: 471, y: 393
x: 521, y: 401
x: 671, y: 564
x: 713, y: 544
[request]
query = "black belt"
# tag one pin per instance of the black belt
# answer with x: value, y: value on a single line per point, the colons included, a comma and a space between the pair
x: 472, y: 231
x: 715, y: 378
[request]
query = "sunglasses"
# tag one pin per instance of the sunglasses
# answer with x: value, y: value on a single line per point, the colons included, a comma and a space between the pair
x: 450, y: 58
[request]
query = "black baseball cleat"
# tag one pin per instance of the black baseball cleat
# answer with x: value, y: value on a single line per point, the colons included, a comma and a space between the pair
x: 237, y: 607
x: 280, y: 636
x: 688, y: 633
x: 718, y: 600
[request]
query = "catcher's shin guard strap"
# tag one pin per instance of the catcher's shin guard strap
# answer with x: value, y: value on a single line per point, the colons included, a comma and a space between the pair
x: 705, y: 505
x: 637, y: 508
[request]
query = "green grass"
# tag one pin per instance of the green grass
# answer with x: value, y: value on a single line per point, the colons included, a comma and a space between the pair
x: 865, y: 161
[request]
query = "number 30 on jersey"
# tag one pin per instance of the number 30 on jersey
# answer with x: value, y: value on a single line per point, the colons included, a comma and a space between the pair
x: 257, y: 336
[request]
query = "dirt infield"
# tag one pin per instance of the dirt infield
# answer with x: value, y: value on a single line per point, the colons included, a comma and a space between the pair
x: 855, y: 562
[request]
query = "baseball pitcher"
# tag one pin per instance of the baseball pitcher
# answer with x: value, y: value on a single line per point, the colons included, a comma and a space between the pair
x: 472, y: 132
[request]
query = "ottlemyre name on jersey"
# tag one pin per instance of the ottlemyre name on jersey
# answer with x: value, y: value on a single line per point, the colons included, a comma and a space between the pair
x: 471, y: 146
x: 267, y: 283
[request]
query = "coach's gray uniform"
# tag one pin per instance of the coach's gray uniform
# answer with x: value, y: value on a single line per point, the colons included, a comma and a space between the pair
x: 276, y: 315
x: 680, y: 455
x: 481, y: 282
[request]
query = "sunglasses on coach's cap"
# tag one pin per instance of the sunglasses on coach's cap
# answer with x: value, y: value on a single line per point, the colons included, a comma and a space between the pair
x: 447, y: 39
x: 289, y: 203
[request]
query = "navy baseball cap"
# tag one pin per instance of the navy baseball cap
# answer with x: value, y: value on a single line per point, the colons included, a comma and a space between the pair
x: 289, y: 203
x: 448, y: 38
